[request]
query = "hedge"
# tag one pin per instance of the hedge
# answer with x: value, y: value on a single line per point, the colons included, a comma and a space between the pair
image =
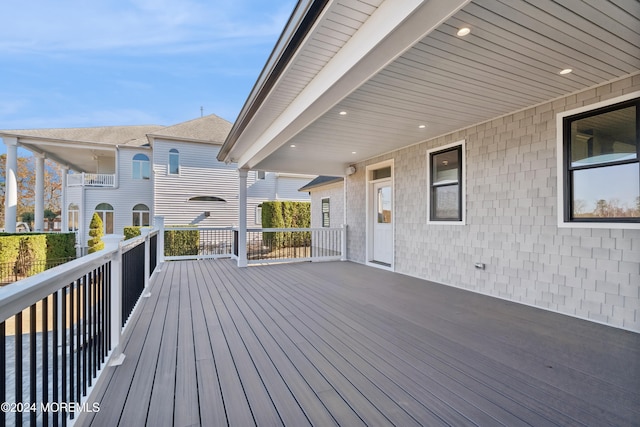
x: 285, y: 214
x: 33, y: 251
x: 131, y: 232
x: 181, y: 242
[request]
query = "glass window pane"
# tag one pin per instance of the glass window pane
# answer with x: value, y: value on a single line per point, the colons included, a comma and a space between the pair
x: 607, y: 192
x: 381, y: 173
x: 446, y: 202
x: 145, y: 219
x: 384, y: 205
x: 146, y: 171
x: 108, y: 224
x: 603, y: 138
x: 136, y: 219
x: 174, y: 163
x: 136, y: 170
x: 445, y: 167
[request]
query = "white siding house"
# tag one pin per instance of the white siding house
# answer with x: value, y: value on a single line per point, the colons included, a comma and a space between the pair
x: 130, y: 174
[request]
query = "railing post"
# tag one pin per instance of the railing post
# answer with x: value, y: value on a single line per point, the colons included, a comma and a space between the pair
x: 114, y: 242
x: 343, y: 255
x: 158, y: 222
x: 147, y: 242
x: 242, y: 217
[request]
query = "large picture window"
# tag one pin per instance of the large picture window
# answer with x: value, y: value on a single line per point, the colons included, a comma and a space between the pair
x: 602, y: 164
x: 446, y: 192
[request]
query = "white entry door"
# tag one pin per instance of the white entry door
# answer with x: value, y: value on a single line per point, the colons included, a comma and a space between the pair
x: 382, y: 223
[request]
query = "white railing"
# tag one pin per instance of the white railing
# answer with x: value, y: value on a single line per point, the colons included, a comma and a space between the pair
x: 198, y: 242
x: 59, y: 329
x: 91, y: 180
x: 271, y: 245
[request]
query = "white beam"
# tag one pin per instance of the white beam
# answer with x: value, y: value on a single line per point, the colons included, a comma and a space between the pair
x: 242, y: 217
x: 38, y: 216
x: 11, y: 185
x: 389, y: 32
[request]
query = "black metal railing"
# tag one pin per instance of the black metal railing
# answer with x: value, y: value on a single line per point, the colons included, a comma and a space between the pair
x: 13, y: 271
x: 198, y: 242
x: 57, y: 346
x: 153, y: 253
x: 133, y: 279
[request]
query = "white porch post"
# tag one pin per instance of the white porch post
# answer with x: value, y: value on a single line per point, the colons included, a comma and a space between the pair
x: 64, y: 210
x: 11, y: 185
x: 158, y: 222
x: 242, y: 218
x: 38, y: 216
x: 114, y: 242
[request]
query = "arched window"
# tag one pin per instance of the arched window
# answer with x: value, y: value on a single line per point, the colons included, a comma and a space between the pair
x: 174, y: 162
x: 73, y: 217
x: 141, y: 168
x: 105, y: 212
x: 140, y: 215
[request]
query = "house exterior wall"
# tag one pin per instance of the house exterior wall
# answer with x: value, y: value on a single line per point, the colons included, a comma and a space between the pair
x: 511, y: 221
x: 128, y: 193
x: 335, y: 193
x: 202, y: 175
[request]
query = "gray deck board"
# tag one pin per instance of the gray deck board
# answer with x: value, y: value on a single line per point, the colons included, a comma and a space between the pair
x: 344, y: 344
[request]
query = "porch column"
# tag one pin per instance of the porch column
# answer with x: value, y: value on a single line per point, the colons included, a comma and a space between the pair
x: 64, y: 209
x: 242, y: 218
x: 11, y: 185
x: 38, y: 215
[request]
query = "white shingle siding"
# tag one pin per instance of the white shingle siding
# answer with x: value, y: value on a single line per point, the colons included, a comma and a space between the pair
x: 335, y: 193
x: 511, y: 221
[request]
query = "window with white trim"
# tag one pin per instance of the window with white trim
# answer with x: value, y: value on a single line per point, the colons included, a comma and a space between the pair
x: 446, y: 184
x: 140, y: 215
x: 73, y: 214
x: 105, y: 212
x: 141, y: 169
x: 601, y: 164
x: 174, y: 162
x: 258, y: 219
x: 326, y: 219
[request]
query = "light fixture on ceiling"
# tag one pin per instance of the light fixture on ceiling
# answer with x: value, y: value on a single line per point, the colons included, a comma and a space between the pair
x: 565, y: 71
x: 343, y: 113
x: 422, y: 126
x: 463, y: 31
x: 353, y: 152
x: 293, y: 146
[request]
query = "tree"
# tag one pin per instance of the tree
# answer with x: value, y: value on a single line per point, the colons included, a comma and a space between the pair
x: 26, y: 180
x: 28, y: 218
x: 50, y: 216
x: 96, y: 232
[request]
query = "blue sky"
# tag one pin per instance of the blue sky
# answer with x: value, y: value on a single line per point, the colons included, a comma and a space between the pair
x: 78, y: 63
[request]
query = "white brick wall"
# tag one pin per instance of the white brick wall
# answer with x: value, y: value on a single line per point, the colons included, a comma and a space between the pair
x: 511, y: 223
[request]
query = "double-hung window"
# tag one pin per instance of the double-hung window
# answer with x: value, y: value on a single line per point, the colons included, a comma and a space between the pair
x: 446, y: 184
x: 326, y: 219
x: 601, y: 164
x: 141, y: 168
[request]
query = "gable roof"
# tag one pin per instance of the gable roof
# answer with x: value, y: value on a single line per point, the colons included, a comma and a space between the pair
x: 321, y: 181
x: 115, y: 135
x: 209, y: 129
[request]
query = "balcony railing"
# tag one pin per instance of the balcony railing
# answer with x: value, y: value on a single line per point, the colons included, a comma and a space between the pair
x: 91, y: 180
x: 60, y: 328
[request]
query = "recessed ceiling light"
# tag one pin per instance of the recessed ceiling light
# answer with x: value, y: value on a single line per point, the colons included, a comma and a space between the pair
x: 353, y: 152
x: 293, y: 146
x: 463, y: 31
x: 566, y: 71
x: 422, y: 126
x: 343, y: 113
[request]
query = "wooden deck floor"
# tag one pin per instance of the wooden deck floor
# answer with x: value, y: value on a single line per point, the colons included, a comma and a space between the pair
x: 344, y: 344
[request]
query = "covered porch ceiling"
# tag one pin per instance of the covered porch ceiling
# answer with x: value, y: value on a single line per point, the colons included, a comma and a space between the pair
x: 399, y: 73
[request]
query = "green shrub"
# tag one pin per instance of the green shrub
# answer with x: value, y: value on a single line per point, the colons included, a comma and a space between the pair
x: 181, y: 242
x: 285, y: 214
x: 60, y: 245
x: 32, y: 254
x: 96, y: 232
x: 131, y: 232
x: 9, y: 250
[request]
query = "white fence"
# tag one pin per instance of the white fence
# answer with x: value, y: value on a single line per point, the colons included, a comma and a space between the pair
x: 91, y: 180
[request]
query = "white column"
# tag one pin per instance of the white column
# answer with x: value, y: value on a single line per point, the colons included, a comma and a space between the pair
x: 38, y: 216
x: 11, y: 185
x: 242, y: 218
x: 158, y: 222
x: 64, y: 209
x: 113, y: 242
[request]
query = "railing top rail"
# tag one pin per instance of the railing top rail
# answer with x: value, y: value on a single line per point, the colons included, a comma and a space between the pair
x: 179, y: 228
x: 26, y: 292
x: 294, y: 229
x: 138, y: 240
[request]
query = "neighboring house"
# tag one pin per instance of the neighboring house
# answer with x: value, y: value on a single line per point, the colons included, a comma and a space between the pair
x: 327, y: 201
x: 129, y: 174
x: 487, y: 145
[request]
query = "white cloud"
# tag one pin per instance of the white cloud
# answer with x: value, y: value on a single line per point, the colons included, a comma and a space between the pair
x: 43, y: 26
